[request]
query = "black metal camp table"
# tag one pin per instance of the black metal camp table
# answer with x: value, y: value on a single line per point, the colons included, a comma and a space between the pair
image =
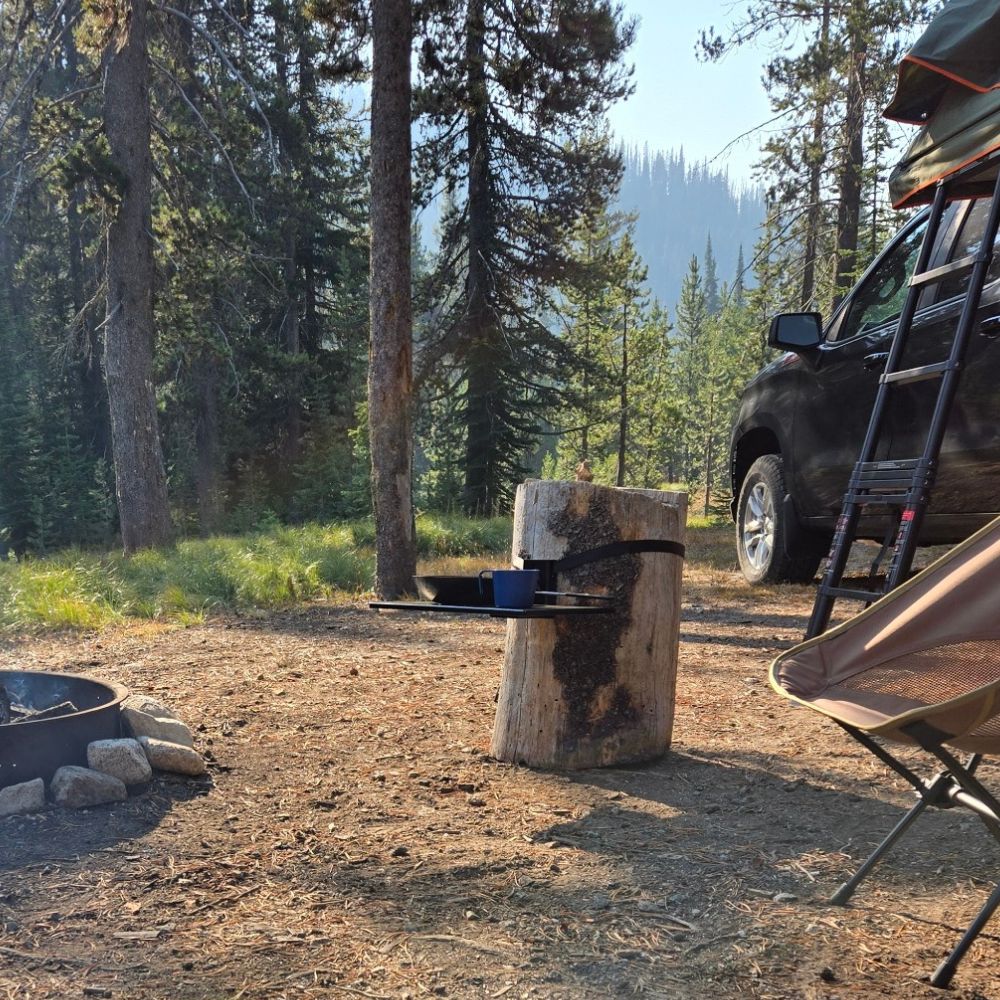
x: 537, y: 611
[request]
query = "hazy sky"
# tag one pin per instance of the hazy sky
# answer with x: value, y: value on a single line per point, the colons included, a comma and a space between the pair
x: 680, y: 101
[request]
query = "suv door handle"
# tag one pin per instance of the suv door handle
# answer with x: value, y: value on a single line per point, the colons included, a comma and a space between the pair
x: 990, y: 327
x: 876, y: 360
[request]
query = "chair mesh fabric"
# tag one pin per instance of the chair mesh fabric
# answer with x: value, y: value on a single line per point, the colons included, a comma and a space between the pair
x: 928, y: 653
x: 932, y: 676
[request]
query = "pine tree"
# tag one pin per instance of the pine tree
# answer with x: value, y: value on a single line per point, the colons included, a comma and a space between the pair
x: 712, y: 301
x: 243, y: 157
x: 390, y: 388
x: 691, y: 349
x: 825, y: 162
x: 738, y: 293
x: 140, y: 477
x: 499, y: 85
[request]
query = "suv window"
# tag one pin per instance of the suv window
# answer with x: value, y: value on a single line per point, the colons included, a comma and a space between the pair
x: 880, y: 298
x: 969, y: 238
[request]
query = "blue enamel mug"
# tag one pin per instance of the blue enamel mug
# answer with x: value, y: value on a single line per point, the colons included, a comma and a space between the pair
x: 512, y: 588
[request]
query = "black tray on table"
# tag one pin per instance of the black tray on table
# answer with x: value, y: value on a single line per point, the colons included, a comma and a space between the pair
x: 466, y: 596
x: 460, y: 595
x: 537, y: 611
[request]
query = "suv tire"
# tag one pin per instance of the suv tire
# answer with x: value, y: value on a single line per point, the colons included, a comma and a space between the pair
x: 771, y: 547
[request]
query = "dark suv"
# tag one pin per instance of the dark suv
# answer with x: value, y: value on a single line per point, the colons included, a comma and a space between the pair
x: 802, y: 419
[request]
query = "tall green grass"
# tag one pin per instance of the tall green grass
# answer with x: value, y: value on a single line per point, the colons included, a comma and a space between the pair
x: 267, y: 568
x: 270, y: 567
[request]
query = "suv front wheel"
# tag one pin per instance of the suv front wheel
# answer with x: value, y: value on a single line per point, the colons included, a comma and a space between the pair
x: 773, y: 548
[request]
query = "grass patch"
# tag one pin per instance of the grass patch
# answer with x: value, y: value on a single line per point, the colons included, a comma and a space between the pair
x: 267, y: 568
x: 271, y: 567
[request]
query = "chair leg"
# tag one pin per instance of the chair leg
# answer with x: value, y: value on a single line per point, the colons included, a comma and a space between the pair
x: 844, y: 893
x: 944, y: 972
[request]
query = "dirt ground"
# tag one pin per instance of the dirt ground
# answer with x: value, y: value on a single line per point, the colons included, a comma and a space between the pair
x: 354, y: 839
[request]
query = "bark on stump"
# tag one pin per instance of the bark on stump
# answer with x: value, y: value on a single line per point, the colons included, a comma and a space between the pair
x: 579, y: 692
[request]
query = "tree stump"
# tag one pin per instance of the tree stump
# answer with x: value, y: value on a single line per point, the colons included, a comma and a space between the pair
x: 579, y: 692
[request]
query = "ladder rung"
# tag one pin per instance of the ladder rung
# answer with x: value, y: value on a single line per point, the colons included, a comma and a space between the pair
x: 889, y: 465
x: 884, y: 482
x: 878, y: 499
x: 937, y: 273
x: 885, y: 475
x: 851, y: 595
x: 908, y: 375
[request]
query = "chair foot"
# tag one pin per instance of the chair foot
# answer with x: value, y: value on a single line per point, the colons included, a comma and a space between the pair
x: 944, y: 973
x: 843, y: 895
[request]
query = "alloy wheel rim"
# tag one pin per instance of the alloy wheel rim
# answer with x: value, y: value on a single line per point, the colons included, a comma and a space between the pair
x: 758, y: 527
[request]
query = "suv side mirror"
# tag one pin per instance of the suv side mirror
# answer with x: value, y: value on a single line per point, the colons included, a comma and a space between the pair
x: 796, y: 331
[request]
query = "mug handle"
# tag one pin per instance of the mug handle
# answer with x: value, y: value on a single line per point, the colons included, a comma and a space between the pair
x: 482, y: 573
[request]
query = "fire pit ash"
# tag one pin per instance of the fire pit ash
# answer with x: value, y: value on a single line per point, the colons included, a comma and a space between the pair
x: 11, y: 712
x: 47, y: 720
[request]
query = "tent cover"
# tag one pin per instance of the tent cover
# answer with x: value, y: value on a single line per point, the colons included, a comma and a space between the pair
x: 949, y: 83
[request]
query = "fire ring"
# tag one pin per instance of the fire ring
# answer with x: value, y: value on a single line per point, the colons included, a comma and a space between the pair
x: 37, y: 748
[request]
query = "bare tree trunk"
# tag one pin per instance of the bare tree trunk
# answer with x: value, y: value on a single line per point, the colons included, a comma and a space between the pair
x: 95, y: 432
x: 208, y: 448
x: 93, y: 397
x: 140, y: 480
x: 291, y: 345
x: 585, y: 434
x: 390, y: 370
x: 480, y: 449
x: 623, y: 402
x: 816, y: 156
x: 849, y: 204
x: 311, y: 331
x: 709, y: 450
x: 290, y: 148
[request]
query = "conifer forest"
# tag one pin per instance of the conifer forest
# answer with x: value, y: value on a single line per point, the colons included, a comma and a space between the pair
x: 212, y: 212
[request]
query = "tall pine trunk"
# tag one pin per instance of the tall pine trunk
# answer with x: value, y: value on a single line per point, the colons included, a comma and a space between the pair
x: 390, y: 377
x: 93, y: 399
x: 816, y: 157
x: 290, y: 151
x: 623, y: 403
x: 852, y: 167
x: 709, y: 447
x: 480, y: 443
x: 208, y: 444
x: 140, y: 480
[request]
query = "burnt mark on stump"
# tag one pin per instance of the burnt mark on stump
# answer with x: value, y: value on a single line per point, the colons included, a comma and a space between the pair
x: 584, y: 655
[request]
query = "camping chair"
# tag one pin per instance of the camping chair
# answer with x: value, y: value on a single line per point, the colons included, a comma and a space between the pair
x: 921, y: 666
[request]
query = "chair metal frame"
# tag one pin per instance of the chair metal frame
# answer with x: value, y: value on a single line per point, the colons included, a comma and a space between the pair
x: 956, y: 785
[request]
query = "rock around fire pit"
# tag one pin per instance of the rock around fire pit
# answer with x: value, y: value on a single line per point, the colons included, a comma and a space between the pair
x: 67, y: 730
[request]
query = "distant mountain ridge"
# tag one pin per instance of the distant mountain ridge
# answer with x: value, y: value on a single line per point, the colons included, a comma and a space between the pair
x: 679, y: 206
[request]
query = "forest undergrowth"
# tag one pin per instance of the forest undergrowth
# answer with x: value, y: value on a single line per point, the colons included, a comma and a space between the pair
x: 270, y: 567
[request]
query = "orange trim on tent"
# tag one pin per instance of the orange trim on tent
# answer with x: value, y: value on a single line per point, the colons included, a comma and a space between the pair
x: 954, y: 77
x: 923, y: 187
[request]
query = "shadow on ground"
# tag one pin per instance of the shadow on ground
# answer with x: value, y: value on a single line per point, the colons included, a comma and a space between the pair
x: 60, y: 835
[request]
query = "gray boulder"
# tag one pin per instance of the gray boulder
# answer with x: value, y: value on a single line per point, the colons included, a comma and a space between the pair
x: 122, y: 759
x: 169, y: 730
x: 79, y: 787
x: 173, y: 757
x: 27, y: 797
x: 150, y: 705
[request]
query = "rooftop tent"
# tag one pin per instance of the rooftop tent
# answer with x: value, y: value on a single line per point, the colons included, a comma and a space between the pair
x: 949, y: 83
